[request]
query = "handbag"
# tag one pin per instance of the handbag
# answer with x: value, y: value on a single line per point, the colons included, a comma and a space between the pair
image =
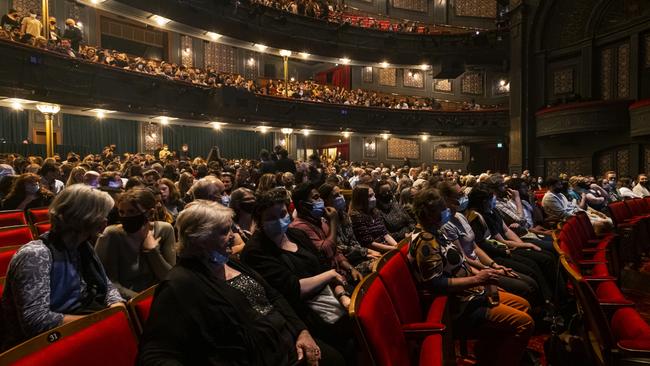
x: 326, y: 306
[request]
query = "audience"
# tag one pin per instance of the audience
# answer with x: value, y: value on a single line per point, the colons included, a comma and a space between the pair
x: 26, y: 192
x: 368, y: 226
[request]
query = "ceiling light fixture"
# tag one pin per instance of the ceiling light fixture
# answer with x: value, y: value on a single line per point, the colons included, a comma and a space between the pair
x: 424, y: 67
x: 260, y: 47
x: 213, y: 36
x: 424, y: 137
x: 346, y: 134
x: 161, y: 21
x: 287, y: 131
x: 285, y: 53
x: 384, y: 64
x: 306, y: 132
x: 385, y: 136
x: 344, y: 60
x: 263, y: 129
x: 47, y: 108
x: 304, y: 55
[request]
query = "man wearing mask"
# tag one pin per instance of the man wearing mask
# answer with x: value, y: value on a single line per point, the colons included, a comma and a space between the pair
x: 641, y: 187
x: 320, y: 223
x: 31, y: 26
x: 609, y: 185
x: 73, y: 33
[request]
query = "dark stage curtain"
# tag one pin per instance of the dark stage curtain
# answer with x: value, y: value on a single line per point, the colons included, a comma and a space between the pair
x: 232, y: 143
x: 13, y: 126
x: 90, y: 135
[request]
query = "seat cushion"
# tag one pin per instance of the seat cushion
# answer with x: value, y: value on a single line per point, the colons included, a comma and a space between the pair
x: 437, y: 309
x: 630, y: 330
x: 142, y: 309
x: 15, y: 236
x: 608, y: 292
x: 399, y: 283
x: 431, y: 351
x: 12, y: 218
x: 5, y: 259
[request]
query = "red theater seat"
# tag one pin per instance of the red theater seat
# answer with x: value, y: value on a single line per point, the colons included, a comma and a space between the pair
x: 104, y: 338
x: 2, y: 285
x: 12, y: 218
x: 380, y: 331
x: 630, y: 330
x: 15, y: 235
x: 42, y: 227
x: 39, y: 214
x: 6, y: 253
x: 140, y: 306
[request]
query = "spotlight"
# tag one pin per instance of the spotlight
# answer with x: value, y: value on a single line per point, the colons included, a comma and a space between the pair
x: 263, y: 129
x: 213, y: 36
x: 344, y: 60
x: 424, y: 137
x: 16, y: 104
x: 260, y: 47
x: 161, y: 21
x: 306, y: 132
x: 346, y: 134
x: 384, y: 64
x: 217, y: 125
x: 164, y: 120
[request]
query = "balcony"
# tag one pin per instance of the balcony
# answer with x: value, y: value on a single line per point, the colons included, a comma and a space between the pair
x: 582, y: 117
x: 35, y: 74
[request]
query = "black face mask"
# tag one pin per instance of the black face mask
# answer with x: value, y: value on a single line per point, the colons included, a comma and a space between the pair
x: 131, y: 224
x: 385, y: 197
x: 247, y: 207
x: 584, y: 185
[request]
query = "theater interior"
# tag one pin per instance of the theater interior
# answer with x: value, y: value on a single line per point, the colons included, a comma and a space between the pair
x: 325, y: 182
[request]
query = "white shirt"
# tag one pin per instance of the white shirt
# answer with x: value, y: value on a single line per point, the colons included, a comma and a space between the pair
x: 625, y: 192
x: 641, y: 190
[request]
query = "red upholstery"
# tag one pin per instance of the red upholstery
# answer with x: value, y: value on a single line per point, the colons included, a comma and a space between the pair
x: 42, y: 227
x: 15, y: 235
x: 431, y: 350
x: 637, y: 207
x: 397, y: 279
x: 108, y: 341
x: 39, y: 214
x: 5, y: 258
x: 2, y: 285
x: 630, y: 330
x: 619, y: 212
x: 381, y: 327
x: 12, y: 218
x: 608, y: 292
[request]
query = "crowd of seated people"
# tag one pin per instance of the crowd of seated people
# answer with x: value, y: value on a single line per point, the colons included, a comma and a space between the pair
x: 70, y: 44
x: 338, y: 13
x: 272, y: 247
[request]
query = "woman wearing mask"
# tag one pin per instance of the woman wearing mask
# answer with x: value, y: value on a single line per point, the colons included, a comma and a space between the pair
x: 397, y: 220
x: 139, y: 252
x: 211, y: 310
x: 502, y: 322
x: 27, y: 193
x: 359, y: 256
x: 171, y: 197
x: 320, y: 223
x: 242, y: 202
x: 45, y: 286
x: 289, y: 262
x: 368, y: 227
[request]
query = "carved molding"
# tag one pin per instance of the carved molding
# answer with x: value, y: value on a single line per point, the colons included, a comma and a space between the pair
x: 569, y: 166
x: 589, y: 118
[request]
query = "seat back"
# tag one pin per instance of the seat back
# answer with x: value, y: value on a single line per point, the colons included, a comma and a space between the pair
x: 15, y: 235
x: 396, y: 277
x: 377, y: 325
x: 6, y: 253
x: 104, y: 338
x: 619, y: 212
x: 12, y: 218
x: 140, y: 306
x: 40, y: 214
x: 636, y: 206
x: 42, y: 227
x: 582, y: 219
x: 2, y: 285
x: 595, y: 322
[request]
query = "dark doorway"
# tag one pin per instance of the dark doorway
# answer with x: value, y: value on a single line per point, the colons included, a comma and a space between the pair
x: 489, y: 156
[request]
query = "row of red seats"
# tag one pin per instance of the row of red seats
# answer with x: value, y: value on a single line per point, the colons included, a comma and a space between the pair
x: 13, y: 237
x: 390, y: 313
x: 18, y: 217
x: 632, y: 221
x: 106, y: 338
x: 614, y: 330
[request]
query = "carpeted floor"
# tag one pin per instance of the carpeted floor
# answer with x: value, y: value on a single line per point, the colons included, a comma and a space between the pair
x: 535, y: 345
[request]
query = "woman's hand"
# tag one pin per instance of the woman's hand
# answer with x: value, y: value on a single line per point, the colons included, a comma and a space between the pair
x: 337, y: 278
x: 532, y: 246
x: 345, y: 301
x: 373, y: 254
x: 150, y: 243
x: 487, y: 276
x: 356, y: 275
x: 307, y: 348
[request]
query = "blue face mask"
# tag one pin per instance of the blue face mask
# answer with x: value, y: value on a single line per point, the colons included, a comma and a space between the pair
x: 462, y: 203
x: 225, y: 200
x: 277, y: 227
x: 114, y: 184
x: 493, y: 203
x: 218, y: 258
x: 339, y: 203
x: 445, y: 216
x: 317, y: 209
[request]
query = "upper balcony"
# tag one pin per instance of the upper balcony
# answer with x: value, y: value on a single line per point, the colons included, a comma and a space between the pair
x: 35, y: 74
x: 253, y: 23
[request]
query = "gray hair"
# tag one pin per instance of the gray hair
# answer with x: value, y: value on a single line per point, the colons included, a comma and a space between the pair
x: 79, y: 207
x: 197, y: 223
x: 202, y: 188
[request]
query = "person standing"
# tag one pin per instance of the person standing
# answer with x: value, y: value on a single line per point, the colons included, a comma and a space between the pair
x: 31, y: 26
x: 10, y: 22
x: 73, y: 33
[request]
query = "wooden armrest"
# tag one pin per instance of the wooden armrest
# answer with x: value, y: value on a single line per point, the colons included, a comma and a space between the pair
x: 610, y: 307
x: 423, y: 329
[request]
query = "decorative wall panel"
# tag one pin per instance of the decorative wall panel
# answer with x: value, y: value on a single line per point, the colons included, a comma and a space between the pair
x: 413, y: 5
x: 73, y: 10
x: 646, y: 50
x: 448, y: 153
x: 369, y: 147
x: 476, y: 8
x: 251, y: 65
x: 413, y: 78
x: 563, y: 81
x: 605, y: 162
x: 151, y: 136
x: 23, y: 6
x: 403, y: 148
x: 366, y: 74
x: 554, y: 167
x: 646, y: 160
x: 606, y: 73
x: 443, y: 85
x: 623, y: 160
x: 220, y: 56
x: 472, y: 83
x: 187, y: 51
x: 501, y: 86
x: 388, y: 77
x: 623, y: 85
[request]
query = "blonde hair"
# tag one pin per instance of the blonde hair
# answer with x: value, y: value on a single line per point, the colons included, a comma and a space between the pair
x: 71, y: 178
x: 197, y: 223
x: 79, y: 207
